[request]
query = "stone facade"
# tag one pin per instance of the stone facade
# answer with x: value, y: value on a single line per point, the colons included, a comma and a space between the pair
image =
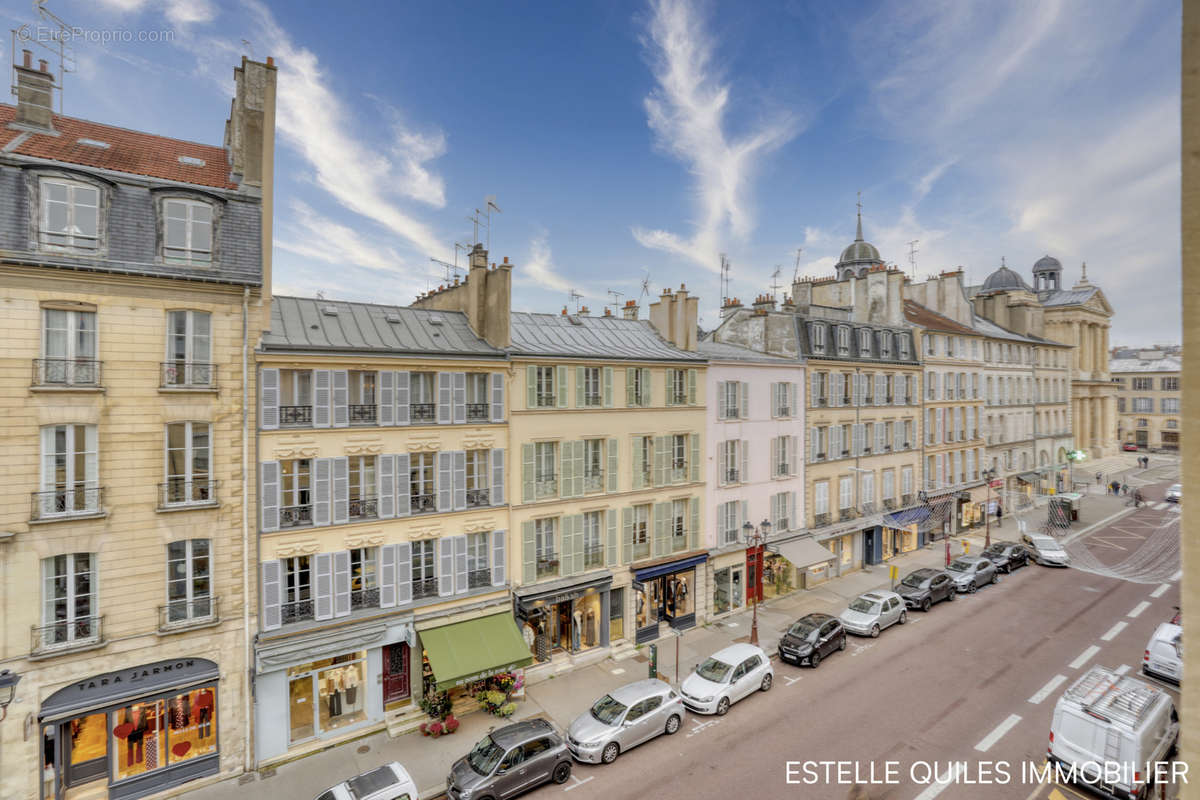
x: 1149, y: 400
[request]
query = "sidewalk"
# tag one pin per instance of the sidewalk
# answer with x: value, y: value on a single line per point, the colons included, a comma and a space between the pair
x: 565, y: 696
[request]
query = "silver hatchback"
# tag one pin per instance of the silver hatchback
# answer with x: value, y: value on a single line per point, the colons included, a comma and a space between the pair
x: 971, y: 572
x: 872, y: 612
x: 625, y: 718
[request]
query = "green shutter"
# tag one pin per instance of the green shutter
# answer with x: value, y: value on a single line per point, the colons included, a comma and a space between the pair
x: 577, y: 469
x: 566, y: 469
x: 660, y: 461
x: 561, y: 379
x: 694, y: 531
x: 610, y: 549
x: 694, y: 465
x: 608, y: 387
x: 527, y: 473
x: 691, y: 387
x: 579, y: 383
x: 612, y: 464
x: 668, y: 386
x: 644, y: 400
x: 661, y: 512
x: 631, y: 398
x: 566, y: 558
x: 639, y: 458
x: 577, y: 550
x: 627, y: 535
x: 531, y: 386
x: 528, y: 553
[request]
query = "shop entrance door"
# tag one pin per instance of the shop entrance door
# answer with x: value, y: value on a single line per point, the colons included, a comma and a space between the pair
x: 868, y: 547
x: 85, y: 742
x: 395, y: 673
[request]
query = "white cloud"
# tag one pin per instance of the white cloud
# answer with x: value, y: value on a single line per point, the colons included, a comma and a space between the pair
x: 539, y: 269
x: 312, y: 235
x: 179, y: 12
x: 687, y: 113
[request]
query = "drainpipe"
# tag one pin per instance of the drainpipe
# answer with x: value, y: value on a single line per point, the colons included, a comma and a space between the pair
x: 247, y: 652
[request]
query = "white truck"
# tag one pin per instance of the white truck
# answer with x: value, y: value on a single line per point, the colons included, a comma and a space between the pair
x: 1114, y: 733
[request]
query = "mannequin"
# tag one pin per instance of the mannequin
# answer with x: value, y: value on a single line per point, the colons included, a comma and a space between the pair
x: 350, y: 681
x: 204, y: 714
x: 576, y: 629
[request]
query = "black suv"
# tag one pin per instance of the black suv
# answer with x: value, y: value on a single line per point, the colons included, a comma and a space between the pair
x: 923, y: 587
x: 811, y: 638
x: 510, y: 761
x: 1007, y: 556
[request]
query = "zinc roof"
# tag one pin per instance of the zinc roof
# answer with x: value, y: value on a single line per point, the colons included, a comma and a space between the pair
x: 724, y: 351
x: 591, y: 337
x: 1150, y: 365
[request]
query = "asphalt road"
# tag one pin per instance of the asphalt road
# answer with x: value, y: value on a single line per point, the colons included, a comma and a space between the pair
x: 954, y: 685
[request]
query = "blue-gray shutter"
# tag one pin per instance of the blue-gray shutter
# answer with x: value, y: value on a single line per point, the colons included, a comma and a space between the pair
x: 611, y: 452
x: 444, y: 398
x: 341, y: 490
x: 341, y: 398
x: 403, y: 574
x: 387, y: 397
x: 403, y: 485
x: 499, y: 559
x: 459, y: 392
x: 402, y: 398
x: 385, y: 471
x: 322, y: 490
x: 323, y: 586
x: 497, y: 397
x: 528, y: 471
x: 387, y: 576
x: 272, y: 616
x: 837, y: 385
x: 445, y: 567
x: 528, y: 553
x: 497, y: 465
x: 444, y: 488
x: 610, y: 549
x: 322, y: 398
x: 268, y: 390
x: 341, y: 583
x: 460, y: 481
x: 269, y: 496
x: 460, y: 564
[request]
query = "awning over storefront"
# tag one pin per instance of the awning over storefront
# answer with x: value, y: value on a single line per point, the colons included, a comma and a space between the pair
x: 277, y: 653
x: 803, y: 552
x: 474, y: 649
x: 669, y: 567
x: 111, y: 687
x: 906, y: 517
x: 551, y: 592
x: 1029, y: 477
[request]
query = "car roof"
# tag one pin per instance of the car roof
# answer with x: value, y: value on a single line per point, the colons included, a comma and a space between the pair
x: 1167, y: 631
x: 638, y: 690
x: 816, y: 618
x: 520, y: 732
x: 970, y: 559
x: 737, y: 652
x: 923, y: 572
x: 879, y: 594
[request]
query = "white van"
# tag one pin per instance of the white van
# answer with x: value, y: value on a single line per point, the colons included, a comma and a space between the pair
x: 1114, y: 731
x: 1164, y: 653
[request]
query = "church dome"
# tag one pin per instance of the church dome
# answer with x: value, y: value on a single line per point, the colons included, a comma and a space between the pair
x: 1004, y: 279
x: 860, y: 251
x: 1046, y: 263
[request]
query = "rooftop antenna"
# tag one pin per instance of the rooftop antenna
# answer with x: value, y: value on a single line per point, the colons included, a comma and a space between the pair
x: 474, y: 220
x: 489, y: 206
x: 451, y: 269
x: 724, y: 279
x: 775, y: 282
x: 458, y: 247
x: 249, y: 47
x: 574, y: 297
x: 796, y: 271
x: 645, y: 286
x: 912, y: 257
x: 616, y: 296
x: 57, y: 43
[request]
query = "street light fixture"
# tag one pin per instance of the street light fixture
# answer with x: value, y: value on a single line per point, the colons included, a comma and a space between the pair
x: 756, y: 538
x: 8, y: 689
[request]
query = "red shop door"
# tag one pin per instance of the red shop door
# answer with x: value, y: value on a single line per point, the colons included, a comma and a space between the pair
x: 754, y: 565
x: 395, y: 673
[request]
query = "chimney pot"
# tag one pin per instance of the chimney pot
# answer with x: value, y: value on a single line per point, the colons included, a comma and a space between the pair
x: 506, y: 259
x: 28, y: 54
x: 270, y: 61
x: 42, y: 65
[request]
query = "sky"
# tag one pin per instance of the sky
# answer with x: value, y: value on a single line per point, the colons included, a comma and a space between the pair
x: 628, y: 145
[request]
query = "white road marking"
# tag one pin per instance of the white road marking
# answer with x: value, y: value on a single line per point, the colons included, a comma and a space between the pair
x: 1161, y: 590
x: 1046, y: 690
x: 790, y: 681
x: 578, y: 782
x: 700, y: 726
x: 1176, y: 508
x: 1138, y: 609
x: 1161, y: 506
x: 1084, y: 657
x: 858, y: 648
x: 1112, y: 632
x: 1121, y: 670
x: 1177, y: 576
x: 986, y: 742
x: 940, y: 783
x: 618, y: 671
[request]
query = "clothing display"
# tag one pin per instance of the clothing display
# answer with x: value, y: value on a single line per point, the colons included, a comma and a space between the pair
x: 576, y: 629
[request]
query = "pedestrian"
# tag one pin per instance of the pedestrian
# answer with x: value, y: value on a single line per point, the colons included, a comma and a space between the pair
x: 1098, y: 477
x: 1125, y: 489
x: 999, y: 513
x: 1137, y: 498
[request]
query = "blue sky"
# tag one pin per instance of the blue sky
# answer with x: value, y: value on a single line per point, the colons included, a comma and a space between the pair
x: 632, y: 139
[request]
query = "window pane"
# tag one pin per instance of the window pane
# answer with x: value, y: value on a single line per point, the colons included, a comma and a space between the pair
x: 85, y: 221
x: 56, y: 217
x: 191, y: 725
x: 176, y: 230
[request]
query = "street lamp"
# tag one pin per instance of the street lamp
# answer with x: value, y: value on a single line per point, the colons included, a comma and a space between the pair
x: 756, y: 538
x: 988, y: 474
x: 8, y: 688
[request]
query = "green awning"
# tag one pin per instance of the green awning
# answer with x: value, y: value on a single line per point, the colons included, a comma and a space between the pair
x: 474, y: 649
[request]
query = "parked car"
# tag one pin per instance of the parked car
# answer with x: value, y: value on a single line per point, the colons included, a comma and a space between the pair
x: 872, y: 612
x: 811, y: 638
x: 510, y: 761
x: 923, y: 587
x: 1109, y: 718
x: 1007, y: 556
x: 624, y: 718
x: 1129, y: 447
x: 1174, y: 493
x: 1163, y: 657
x: 971, y: 572
x: 389, y: 782
x: 1045, y: 550
x: 726, y: 677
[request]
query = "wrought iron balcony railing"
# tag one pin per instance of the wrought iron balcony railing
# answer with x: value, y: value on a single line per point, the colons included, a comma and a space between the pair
x: 363, y: 413
x: 422, y: 412
x: 66, y: 372
x: 65, y: 634
x: 478, y: 412
x: 68, y: 502
x: 295, y: 415
x: 364, y: 509
x: 424, y: 587
x: 185, y: 613
x: 187, y: 375
x: 295, y: 516
x: 424, y: 503
x: 478, y: 497
x: 184, y: 492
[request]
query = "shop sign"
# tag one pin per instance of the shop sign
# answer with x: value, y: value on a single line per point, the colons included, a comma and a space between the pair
x: 997, y: 484
x: 487, y: 673
x: 135, y: 675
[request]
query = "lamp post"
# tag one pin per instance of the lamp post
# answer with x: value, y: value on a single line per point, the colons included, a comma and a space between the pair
x: 756, y: 538
x: 8, y: 689
x: 988, y: 474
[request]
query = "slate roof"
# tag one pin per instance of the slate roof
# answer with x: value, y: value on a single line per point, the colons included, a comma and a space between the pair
x: 1168, y: 364
x: 723, y: 351
x: 988, y: 328
x: 1067, y: 297
x: 301, y: 324
x: 591, y: 337
x: 929, y: 319
x: 128, y: 151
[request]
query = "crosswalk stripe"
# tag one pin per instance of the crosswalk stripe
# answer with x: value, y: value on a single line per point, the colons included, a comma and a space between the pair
x: 1161, y: 590
x: 1121, y: 670
x: 986, y: 742
x: 1138, y: 609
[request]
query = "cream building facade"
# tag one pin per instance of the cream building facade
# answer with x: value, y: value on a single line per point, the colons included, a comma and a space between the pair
x: 1149, y: 400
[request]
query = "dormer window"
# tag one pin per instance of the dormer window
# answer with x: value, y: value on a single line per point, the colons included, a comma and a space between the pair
x: 843, y: 340
x: 885, y: 345
x: 817, y: 334
x: 864, y: 342
x: 187, y: 231
x: 70, y: 215
x: 902, y: 346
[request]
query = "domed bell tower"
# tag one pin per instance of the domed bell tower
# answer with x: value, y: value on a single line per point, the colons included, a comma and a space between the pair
x: 1047, y: 274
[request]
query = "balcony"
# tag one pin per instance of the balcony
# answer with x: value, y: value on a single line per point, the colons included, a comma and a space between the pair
x: 363, y: 413
x: 367, y: 508
x: 889, y: 504
x: 82, y: 501
x: 66, y: 373
x: 195, y: 613
x: 65, y: 635
x: 783, y: 412
x: 297, y: 611
x: 678, y: 472
x: 424, y: 587
x: 593, y: 557
x: 867, y: 509
x: 546, y: 487
x: 819, y: 402
x: 783, y: 524
x: 848, y: 513
x: 295, y: 415
x: 731, y: 476
x: 547, y: 566
x: 424, y: 503
x: 783, y: 470
x: 181, y: 493
x: 187, y: 375
x: 295, y: 516
x: 364, y: 598
x: 478, y: 497
x: 479, y: 578
x: 906, y: 499
x: 422, y: 412
x: 820, y: 457
x: 821, y: 519
x: 593, y: 483
x: 478, y: 412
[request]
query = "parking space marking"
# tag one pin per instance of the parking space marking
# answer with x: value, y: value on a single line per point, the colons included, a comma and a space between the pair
x: 1121, y: 670
x: 1160, y: 506
x: 1138, y: 609
x: 859, y: 648
x: 1161, y: 590
x: 698, y: 727
x: 790, y: 681
x: 1084, y: 657
x: 1177, y: 576
x: 578, y: 781
x: 940, y: 782
x: 1112, y: 632
x: 618, y: 671
x: 986, y: 742
x: 1046, y: 690
x: 1176, y: 508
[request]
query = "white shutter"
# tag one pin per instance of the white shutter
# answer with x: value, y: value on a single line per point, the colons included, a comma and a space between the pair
x: 837, y: 386
x: 341, y: 583
x: 444, y: 489
x: 403, y: 485
x: 341, y: 398
x: 461, y: 584
x: 497, y: 397
x: 744, y: 477
x: 341, y: 490
x: 322, y: 398
x: 460, y: 397
x: 272, y: 616
x: 322, y: 490
x: 460, y: 480
x: 385, y: 470
x: 744, y: 400
x: 793, y: 468
x: 722, y: 464
x: 775, y: 442
x: 444, y: 398
x: 387, y: 575
x: 402, y: 398
x: 403, y: 573
x: 269, y: 497
x: 268, y: 415
x: 387, y: 397
x: 722, y: 406
x: 323, y: 586
x: 499, y: 562
x: 497, y: 467
x: 445, y: 571
x: 814, y: 444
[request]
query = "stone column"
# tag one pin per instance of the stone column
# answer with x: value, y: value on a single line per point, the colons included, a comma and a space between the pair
x: 1077, y: 340
x: 1085, y: 420
x: 1110, y: 429
x: 1098, y: 359
x: 1104, y: 341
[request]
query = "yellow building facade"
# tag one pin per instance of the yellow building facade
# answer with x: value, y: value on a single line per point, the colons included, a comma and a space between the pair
x: 1149, y: 399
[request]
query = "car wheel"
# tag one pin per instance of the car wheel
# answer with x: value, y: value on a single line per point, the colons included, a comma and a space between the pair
x: 672, y: 725
x: 814, y: 660
x: 953, y: 595
x: 766, y: 682
x: 722, y: 706
x: 926, y: 603
x: 1007, y: 568
x: 874, y: 631
x: 903, y: 617
x: 562, y: 773
x: 842, y: 643
x: 972, y: 589
x: 610, y: 752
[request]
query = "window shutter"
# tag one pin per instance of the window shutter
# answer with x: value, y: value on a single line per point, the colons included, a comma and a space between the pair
x: 814, y: 444
x: 387, y: 576
x: 323, y: 586
x: 880, y: 389
x: 794, y: 401
x: 627, y: 535
x: 460, y: 564
x: 631, y: 398
x: 815, y: 390
x: 722, y: 464
x: 837, y: 386
x: 322, y: 491
x: 791, y: 455
x: 660, y: 461
x: 608, y: 387
x: 341, y: 583
x: 403, y: 573
x: 743, y: 515
x: 497, y: 464
x: 272, y: 616
x: 445, y: 398
x: 531, y: 386
x: 611, y: 452
x: 445, y: 570
x: 497, y: 396
x: 402, y: 398
x: 386, y: 485
x: 722, y: 406
x: 744, y: 477
x: 644, y: 396
x: 341, y: 490
x: 387, y: 397
x: 269, y: 501
x: 527, y: 473
x: 694, y: 528
x: 445, y: 480
x: 460, y: 481
x: 775, y: 456
x: 566, y: 466
x: 560, y: 381
x: 577, y: 473
x: 744, y: 401
x: 459, y: 384
x: 668, y: 385
x: 268, y: 415
x: 639, y: 458
x: 694, y: 458
x: 691, y: 387
x: 403, y: 485
x: 577, y: 549
x: 610, y: 544
x: 322, y: 398
x: 528, y: 553
x: 499, y: 559
x: 661, y: 512
x: 579, y: 381
x: 774, y: 509
x: 835, y: 441
x: 341, y: 398
x: 793, y: 523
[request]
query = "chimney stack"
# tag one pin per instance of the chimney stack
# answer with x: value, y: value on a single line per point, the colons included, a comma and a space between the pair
x: 35, y: 94
x: 674, y: 316
x: 630, y: 311
x: 764, y: 302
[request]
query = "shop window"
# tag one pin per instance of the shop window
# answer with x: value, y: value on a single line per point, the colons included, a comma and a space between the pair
x: 616, y: 614
x: 326, y: 695
x: 159, y: 733
x: 585, y: 621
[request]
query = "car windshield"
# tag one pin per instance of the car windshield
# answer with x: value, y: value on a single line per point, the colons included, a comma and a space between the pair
x: 916, y: 580
x: 1046, y: 543
x: 713, y: 670
x: 958, y: 565
x: 1176, y: 487
x: 327, y: 795
x: 486, y: 755
x: 865, y: 606
x: 802, y: 628
x: 607, y: 710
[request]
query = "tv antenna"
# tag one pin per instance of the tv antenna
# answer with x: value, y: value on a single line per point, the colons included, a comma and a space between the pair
x: 489, y: 207
x: 574, y: 297
x: 775, y: 282
x: 616, y: 296
x: 645, y: 286
x: 458, y: 247
x: 724, y: 279
x: 57, y: 43
x: 451, y: 269
x: 474, y: 220
x: 912, y: 257
x: 796, y: 270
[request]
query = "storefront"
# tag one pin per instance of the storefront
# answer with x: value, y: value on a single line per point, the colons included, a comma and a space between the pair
x: 569, y: 616
x: 805, y: 562
x: 728, y: 584
x: 1029, y: 484
x: 139, y: 731
x: 666, y: 592
x: 845, y: 558
x: 461, y: 653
